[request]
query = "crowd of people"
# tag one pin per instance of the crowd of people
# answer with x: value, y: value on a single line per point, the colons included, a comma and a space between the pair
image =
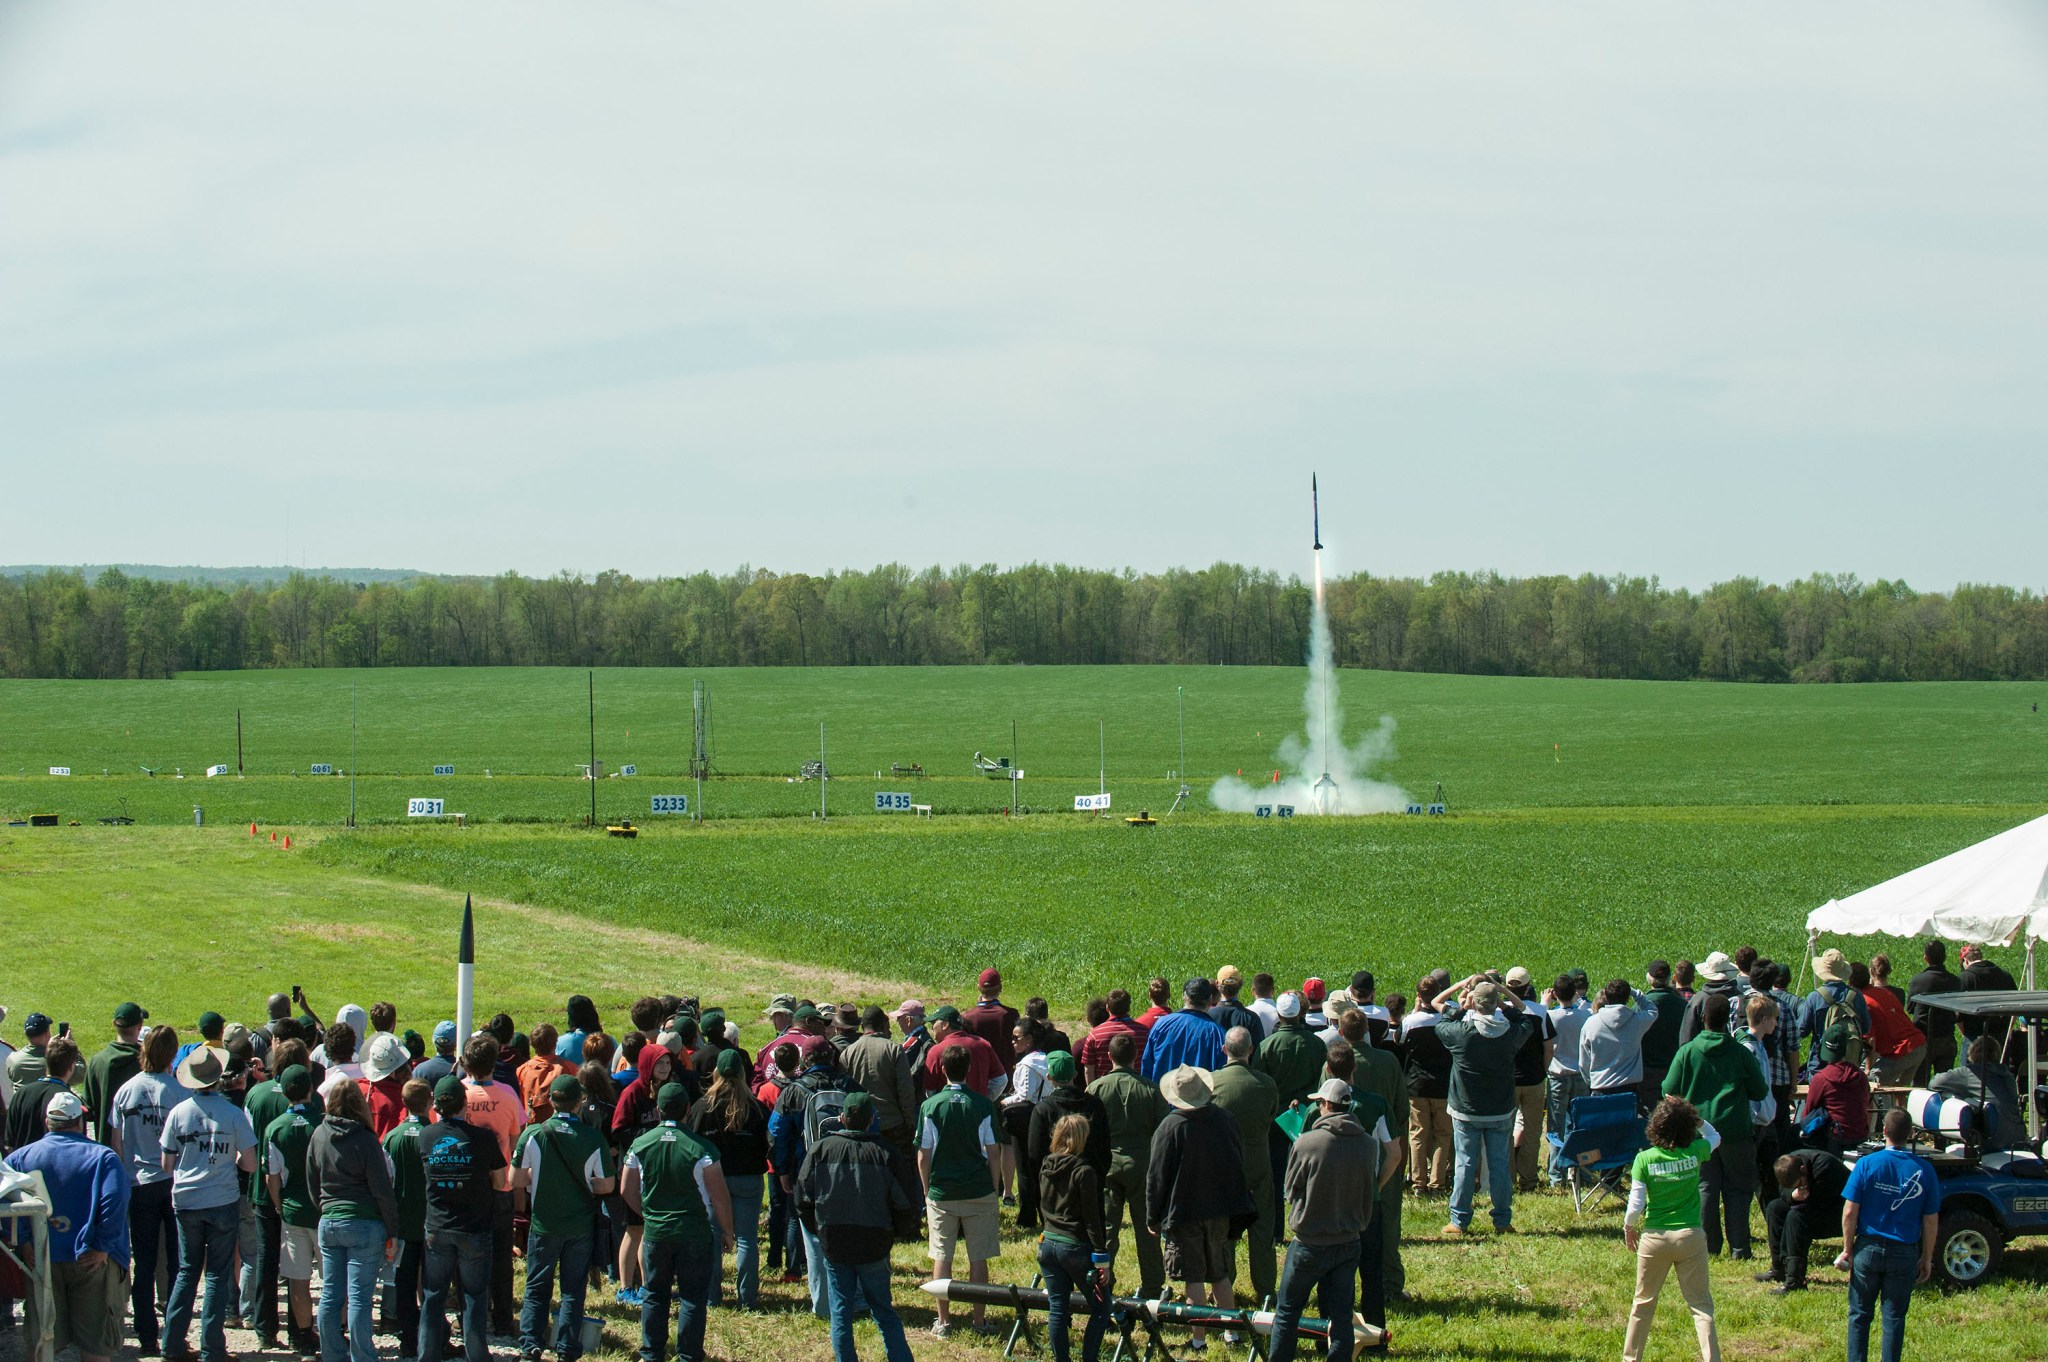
x: 407, y: 1171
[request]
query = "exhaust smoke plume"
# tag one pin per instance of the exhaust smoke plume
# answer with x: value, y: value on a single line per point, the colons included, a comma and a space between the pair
x: 1319, y: 774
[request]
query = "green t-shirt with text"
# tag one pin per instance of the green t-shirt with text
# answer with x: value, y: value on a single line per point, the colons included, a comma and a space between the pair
x: 1672, y: 1178
x: 560, y: 1158
x: 672, y: 1163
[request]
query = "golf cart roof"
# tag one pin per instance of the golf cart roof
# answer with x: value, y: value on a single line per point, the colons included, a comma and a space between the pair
x: 1990, y: 1003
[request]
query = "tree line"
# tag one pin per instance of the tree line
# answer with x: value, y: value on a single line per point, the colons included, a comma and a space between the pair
x: 1824, y: 628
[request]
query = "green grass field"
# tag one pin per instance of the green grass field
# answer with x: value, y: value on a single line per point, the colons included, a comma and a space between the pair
x: 1495, y: 743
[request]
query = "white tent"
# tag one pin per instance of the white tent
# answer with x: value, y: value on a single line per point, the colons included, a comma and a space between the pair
x: 1984, y: 894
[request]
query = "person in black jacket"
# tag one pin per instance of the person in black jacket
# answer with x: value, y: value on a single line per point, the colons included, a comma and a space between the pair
x: 1938, y: 1024
x: 1196, y: 1197
x: 1074, y: 1253
x: 1808, y: 1207
x: 854, y: 1193
x: 1066, y: 1098
x: 735, y: 1123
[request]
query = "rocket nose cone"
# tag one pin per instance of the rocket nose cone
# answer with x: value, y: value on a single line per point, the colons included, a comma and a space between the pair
x: 942, y: 1287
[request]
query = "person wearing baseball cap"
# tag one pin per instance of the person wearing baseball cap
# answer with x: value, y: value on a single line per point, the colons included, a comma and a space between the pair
x: 992, y: 1019
x: 1226, y: 1011
x: 25, y: 1066
x: 856, y: 1187
x: 442, y: 1062
x: 672, y: 1178
x: 207, y: 1140
x: 985, y: 1073
x: 563, y: 1166
x: 1314, y: 993
x: 466, y: 1173
x: 106, y: 1071
x: 1196, y: 1196
x: 59, y: 1061
x: 1185, y: 1037
x: 1331, y: 1181
x: 88, y: 1232
x: 297, y: 1211
x: 917, y: 1038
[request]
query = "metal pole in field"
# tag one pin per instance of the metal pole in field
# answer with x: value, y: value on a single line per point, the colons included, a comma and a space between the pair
x: 352, y: 756
x: 822, y: 776
x: 697, y: 760
x: 238, y: 742
x: 1101, y: 758
x: 1180, y: 704
x: 591, y: 678
x: 1013, y: 768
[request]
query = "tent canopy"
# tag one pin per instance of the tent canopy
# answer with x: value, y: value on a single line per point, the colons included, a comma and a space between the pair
x: 1983, y: 894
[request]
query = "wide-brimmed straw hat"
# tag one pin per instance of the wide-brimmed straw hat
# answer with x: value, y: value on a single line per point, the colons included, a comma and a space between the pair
x: 1186, y: 1087
x: 203, y: 1068
x: 1719, y: 968
x: 1832, y: 966
x: 386, y: 1056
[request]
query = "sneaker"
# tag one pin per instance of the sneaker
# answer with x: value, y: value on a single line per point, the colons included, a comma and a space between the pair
x: 1009, y: 1201
x: 1772, y: 1276
x: 941, y: 1328
x: 1743, y: 1255
x: 1198, y: 1346
x: 1232, y: 1336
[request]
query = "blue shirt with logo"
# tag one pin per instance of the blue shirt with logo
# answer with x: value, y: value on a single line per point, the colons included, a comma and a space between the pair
x: 1892, y: 1190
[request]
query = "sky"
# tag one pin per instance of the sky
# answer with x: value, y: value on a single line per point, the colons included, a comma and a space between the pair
x: 1690, y: 291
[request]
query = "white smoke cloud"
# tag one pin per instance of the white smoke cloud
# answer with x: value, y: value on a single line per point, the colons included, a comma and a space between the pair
x: 1321, y: 750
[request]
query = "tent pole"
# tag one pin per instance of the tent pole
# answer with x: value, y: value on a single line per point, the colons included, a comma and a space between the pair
x: 2033, y: 1053
x: 1812, y: 939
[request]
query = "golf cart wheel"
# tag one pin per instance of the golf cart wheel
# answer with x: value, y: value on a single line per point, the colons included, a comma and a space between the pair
x: 1968, y: 1250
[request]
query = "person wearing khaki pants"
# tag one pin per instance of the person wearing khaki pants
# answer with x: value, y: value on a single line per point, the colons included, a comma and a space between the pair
x: 1662, y: 1224
x: 1429, y: 1136
x: 1529, y: 1141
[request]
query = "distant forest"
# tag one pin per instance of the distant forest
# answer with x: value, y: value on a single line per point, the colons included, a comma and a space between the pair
x: 57, y: 623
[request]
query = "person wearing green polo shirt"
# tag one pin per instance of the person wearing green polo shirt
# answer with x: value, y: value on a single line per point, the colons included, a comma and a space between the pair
x: 956, y: 1158
x: 562, y: 1167
x: 671, y: 1179
x: 285, y: 1140
x: 1662, y: 1224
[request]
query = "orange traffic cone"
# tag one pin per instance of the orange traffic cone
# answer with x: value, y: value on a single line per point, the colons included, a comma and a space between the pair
x: 287, y: 841
x: 252, y: 827
x: 273, y: 838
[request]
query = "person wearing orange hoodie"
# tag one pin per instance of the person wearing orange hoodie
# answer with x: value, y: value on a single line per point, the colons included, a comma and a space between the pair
x: 538, y: 1072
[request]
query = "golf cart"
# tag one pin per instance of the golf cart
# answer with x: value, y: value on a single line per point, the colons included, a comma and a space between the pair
x: 1987, y: 1199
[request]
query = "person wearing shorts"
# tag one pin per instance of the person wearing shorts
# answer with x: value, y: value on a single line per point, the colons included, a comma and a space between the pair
x: 955, y: 1158
x: 284, y: 1180
x: 88, y: 1231
x: 1196, y: 1194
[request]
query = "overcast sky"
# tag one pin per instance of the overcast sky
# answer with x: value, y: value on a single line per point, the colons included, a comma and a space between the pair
x: 1679, y: 290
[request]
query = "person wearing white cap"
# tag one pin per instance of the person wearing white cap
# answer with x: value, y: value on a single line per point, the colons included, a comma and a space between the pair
x: 207, y: 1140
x: 1332, y: 1187
x: 1196, y: 1197
x: 1719, y: 976
x: 88, y: 1231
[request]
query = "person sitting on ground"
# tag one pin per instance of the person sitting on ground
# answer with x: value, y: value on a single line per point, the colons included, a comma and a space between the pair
x: 1981, y: 1079
x: 1808, y: 1207
x: 1662, y: 1223
x: 1840, y: 1092
x: 1897, y: 1047
x: 1196, y: 1196
x: 1187, y: 1037
x: 1094, y: 1052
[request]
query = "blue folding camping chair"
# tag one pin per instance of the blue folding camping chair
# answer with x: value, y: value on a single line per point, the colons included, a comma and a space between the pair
x: 1602, y: 1137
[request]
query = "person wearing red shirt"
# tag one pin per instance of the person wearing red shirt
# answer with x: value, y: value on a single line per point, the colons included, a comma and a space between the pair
x: 1094, y: 1054
x: 993, y: 1020
x: 985, y: 1073
x: 1161, y: 994
x: 1896, y: 1045
x: 386, y: 1065
x: 1839, y: 1089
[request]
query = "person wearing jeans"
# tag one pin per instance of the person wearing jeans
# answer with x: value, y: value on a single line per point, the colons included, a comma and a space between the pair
x: 140, y: 1108
x: 347, y: 1178
x: 564, y: 1168
x: 1484, y: 1028
x: 207, y: 1140
x: 1332, y: 1188
x: 855, y: 1188
x: 1891, y: 1213
x: 465, y: 1171
x: 1074, y: 1253
x: 671, y: 1178
x: 735, y: 1123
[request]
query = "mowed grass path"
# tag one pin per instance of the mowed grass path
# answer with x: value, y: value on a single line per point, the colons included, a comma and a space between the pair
x: 1494, y: 742
x: 187, y: 920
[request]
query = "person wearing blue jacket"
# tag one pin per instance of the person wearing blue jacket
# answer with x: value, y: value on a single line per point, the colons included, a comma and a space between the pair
x: 1831, y: 971
x: 1189, y: 1036
x: 89, y: 1254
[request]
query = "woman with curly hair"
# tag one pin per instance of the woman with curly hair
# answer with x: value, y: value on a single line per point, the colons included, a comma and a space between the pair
x: 1662, y: 1224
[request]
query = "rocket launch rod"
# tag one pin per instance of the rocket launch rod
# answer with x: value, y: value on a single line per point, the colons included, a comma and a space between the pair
x: 1172, y: 1312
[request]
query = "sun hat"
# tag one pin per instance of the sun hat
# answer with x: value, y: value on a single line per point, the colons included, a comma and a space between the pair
x: 129, y: 1014
x: 65, y: 1106
x: 1719, y: 968
x: 203, y: 1068
x: 1186, y: 1087
x: 781, y: 1002
x: 1334, y: 1090
x: 1339, y: 1004
x: 385, y: 1056
x: 909, y: 1007
x: 1288, y: 1005
x: 235, y: 1035
x: 1832, y: 966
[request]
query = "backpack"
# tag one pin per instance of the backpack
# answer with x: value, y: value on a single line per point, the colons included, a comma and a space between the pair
x: 1840, y: 1010
x: 820, y: 1104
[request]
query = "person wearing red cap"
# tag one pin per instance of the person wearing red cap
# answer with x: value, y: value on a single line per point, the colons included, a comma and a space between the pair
x: 1313, y: 994
x: 996, y: 1022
